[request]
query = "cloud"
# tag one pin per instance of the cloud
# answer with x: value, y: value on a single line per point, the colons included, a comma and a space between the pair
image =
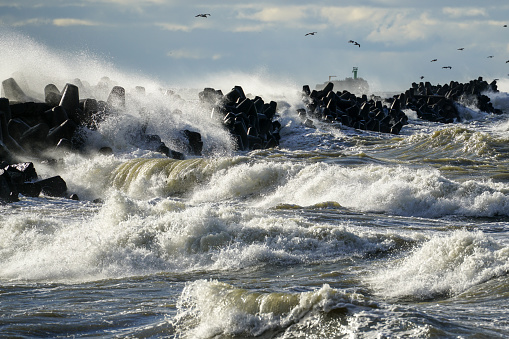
x: 278, y: 14
x: 179, y: 27
x: 342, y: 16
x: 402, y: 29
x: 194, y: 54
x: 249, y: 28
x: 31, y: 22
x: 73, y: 22
x: 456, y: 12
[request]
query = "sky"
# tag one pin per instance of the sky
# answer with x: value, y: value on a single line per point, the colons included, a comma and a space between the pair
x: 164, y: 40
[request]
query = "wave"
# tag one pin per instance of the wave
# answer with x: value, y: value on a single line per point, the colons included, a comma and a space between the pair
x: 443, y: 266
x: 210, y: 308
x: 126, y: 237
x: 400, y: 190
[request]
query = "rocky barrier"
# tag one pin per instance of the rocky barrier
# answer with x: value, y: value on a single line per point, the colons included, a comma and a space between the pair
x: 28, y: 128
x: 437, y: 103
x: 352, y: 111
x: 250, y: 121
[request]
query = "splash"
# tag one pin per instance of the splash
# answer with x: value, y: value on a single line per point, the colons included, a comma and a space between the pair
x: 443, y: 266
x: 212, y: 308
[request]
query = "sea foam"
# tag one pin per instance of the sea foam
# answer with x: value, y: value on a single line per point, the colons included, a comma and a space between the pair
x: 443, y: 266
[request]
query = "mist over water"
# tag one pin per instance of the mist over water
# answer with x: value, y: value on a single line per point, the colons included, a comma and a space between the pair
x: 337, y: 232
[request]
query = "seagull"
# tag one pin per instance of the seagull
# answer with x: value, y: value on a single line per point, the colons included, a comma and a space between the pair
x: 490, y: 56
x: 310, y: 33
x: 507, y: 61
x: 422, y: 77
x: 201, y: 15
x: 460, y: 49
x: 433, y: 60
x: 505, y: 25
x: 357, y: 44
x: 447, y: 67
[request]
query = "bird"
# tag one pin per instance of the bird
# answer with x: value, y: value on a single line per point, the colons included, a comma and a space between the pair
x: 447, y: 67
x: 433, y: 60
x: 351, y: 41
x: 201, y: 15
x: 490, y: 56
x: 507, y: 61
x: 422, y: 77
x: 460, y: 49
x: 310, y: 33
x: 505, y: 25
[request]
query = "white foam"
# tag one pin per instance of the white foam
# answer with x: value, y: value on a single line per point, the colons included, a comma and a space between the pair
x: 443, y: 266
x: 392, y: 189
x: 211, y: 308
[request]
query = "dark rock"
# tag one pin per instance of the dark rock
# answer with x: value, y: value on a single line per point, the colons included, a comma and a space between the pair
x: 8, y: 191
x: 34, y: 137
x: 63, y: 131
x: 64, y: 144
x: 105, y: 150
x: 52, y: 95
x: 29, y: 189
x: 16, y: 127
x: 22, y: 172
x: 54, y: 186
x: 70, y: 101
x: 55, y: 116
x: 195, y: 142
x: 5, y: 108
x: 170, y: 153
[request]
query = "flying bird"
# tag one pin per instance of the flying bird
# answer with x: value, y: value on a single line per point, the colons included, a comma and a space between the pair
x: 490, y: 56
x: 460, y: 49
x: 351, y: 41
x: 505, y: 25
x: 357, y: 44
x: 433, y: 60
x: 422, y: 77
x: 310, y: 33
x: 201, y: 15
x: 507, y: 61
x: 447, y: 67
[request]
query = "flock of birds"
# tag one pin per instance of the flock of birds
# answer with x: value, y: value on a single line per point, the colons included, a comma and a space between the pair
x: 355, y: 43
x: 422, y: 77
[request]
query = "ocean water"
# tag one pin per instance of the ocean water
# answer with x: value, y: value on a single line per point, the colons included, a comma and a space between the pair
x: 336, y: 233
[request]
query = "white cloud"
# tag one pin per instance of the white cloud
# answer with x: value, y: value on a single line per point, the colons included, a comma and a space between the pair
x: 31, y: 22
x: 181, y: 28
x: 341, y: 16
x: 458, y: 12
x: 404, y: 28
x: 194, y: 54
x: 73, y: 22
x: 249, y: 28
x: 278, y: 14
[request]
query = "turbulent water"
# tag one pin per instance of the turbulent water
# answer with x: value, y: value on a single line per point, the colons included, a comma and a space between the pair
x: 335, y: 233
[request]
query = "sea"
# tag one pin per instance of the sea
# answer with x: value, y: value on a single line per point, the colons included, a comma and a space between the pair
x: 335, y: 233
